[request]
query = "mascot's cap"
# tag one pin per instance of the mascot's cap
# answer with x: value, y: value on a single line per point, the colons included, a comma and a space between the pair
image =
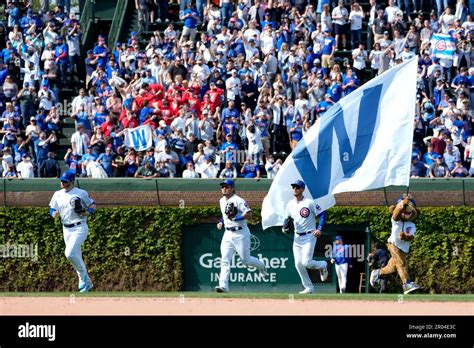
x: 401, y: 199
x: 298, y: 183
x: 227, y: 182
x: 67, y: 176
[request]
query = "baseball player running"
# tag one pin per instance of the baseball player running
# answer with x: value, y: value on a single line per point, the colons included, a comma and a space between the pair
x: 73, y: 205
x: 235, y: 212
x: 303, y: 212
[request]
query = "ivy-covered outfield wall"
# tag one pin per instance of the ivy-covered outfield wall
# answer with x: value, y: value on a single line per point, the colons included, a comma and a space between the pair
x: 139, y: 249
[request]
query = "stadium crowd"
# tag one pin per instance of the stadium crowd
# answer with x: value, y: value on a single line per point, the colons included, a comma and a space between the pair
x: 231, y: 93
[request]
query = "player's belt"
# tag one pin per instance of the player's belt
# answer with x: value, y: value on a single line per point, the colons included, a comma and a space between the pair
x: 304, y: 233
x: 72, y: 225
x: 233, y: 229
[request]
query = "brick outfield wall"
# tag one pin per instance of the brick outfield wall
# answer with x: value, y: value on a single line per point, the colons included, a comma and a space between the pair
x: 254, y: 198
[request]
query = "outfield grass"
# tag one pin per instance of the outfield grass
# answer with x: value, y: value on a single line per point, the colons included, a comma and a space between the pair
x: 255, y: 295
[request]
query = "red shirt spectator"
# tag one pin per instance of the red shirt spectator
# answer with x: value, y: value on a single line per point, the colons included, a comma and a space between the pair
x: 166, y: 112
x: 129, y: 121
x: 157, y: 91
x: 439, y: 145
x: 107, y: 126
x: 215, y: 94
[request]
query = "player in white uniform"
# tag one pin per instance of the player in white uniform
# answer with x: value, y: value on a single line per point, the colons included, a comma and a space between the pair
x: 304, y: 211
x: 75, y: 228
x: 236, y: 236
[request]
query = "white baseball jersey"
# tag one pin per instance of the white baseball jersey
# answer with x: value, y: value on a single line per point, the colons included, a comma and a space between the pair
x: 62, y: 202
x: 242, y: 208
x: 408, y: 229
x: 304, y: 214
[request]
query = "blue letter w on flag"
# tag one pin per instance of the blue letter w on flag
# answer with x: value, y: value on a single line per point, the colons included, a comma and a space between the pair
x: 139, y: 138
x: 318, y: 179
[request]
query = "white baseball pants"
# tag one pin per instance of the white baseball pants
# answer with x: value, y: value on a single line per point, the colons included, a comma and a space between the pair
x: 74, y: 237
x: 238, y: 241
x: 341, y: 271
x: 303, y: 251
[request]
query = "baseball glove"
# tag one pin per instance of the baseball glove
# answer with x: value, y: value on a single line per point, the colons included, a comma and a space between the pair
x: 230, y: 210
x: 288, y: 225
x: 77, y: 206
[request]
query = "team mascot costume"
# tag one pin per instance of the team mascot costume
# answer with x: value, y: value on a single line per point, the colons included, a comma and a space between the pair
x: 404, y: 213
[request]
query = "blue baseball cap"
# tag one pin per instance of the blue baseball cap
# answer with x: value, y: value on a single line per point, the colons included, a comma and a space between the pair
x: 67, y: 176
x: 133, y: 33
x: 227, y: 182
x: 298, y: 183
x: 401, y: 199
x: 338, y: 238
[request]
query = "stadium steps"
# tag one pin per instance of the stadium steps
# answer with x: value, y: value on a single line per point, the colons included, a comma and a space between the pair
x: 130, y: 24
x: 67, y: 128
x: 144, y: 38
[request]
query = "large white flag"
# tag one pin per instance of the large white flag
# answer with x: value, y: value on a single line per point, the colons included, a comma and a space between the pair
x: 363, y: 142
x: 139, y: 138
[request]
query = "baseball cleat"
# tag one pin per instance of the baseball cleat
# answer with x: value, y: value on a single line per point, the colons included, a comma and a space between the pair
x: 87, y: 285
x: 219, y: 289
x: 409, y: 287
x: 306, y: 291
x: 374, y: 277
x: 263, y: 271
x: 324, y: 274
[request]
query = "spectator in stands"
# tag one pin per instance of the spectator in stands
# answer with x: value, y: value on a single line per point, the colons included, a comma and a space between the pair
x: 147, y: 171
x: 189, y: 172
x: 439, y: 169
x: 27, y: 97
x: 451, y: 157
x: 428, y: 157
x: 190, y: 17
x: 459, y: 171
x: 142, y: 7
x: 250, y: 170
x: 10, y: 88
x: 355, y: 18
x: 328, y: 50
x: 272, y: 166
x: 210, y: 169
x: 340, y: 16
x: 170, y: 159
x: 132, y: 162
x: 229, y: 171
x: 49, y: 168
x: 25, y: 169
x: 119, y: 165
x: 418, y: 168
x: 80, y: 141
x: 105, y: 160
